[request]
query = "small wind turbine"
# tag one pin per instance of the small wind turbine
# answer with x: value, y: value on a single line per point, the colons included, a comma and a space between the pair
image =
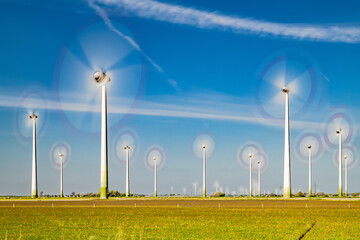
x: 34, y: 187
x: 204, y: 170
x: 127, y: 149
x: 195, y: 184
x: 310, y: 173
x: 287, y: 172
x: 259, y: 177
x: 250, y: 157
x: 338, y: 132
x: 155, y: 183
x: 61, y: 174
x: 102, y: 79
x: 346, y: 176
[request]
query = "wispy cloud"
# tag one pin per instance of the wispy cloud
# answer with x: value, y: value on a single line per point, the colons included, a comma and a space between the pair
x: 102, y: 13
x: 194, y: 107
x: 177, y: 14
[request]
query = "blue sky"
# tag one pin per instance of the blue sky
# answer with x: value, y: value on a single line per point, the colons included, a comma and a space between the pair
x: 183, y: 73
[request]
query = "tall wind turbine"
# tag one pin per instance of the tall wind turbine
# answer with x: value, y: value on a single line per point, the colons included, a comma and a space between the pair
x: 127, y: 149
x: 346, y: 176
x: 204, y: 170
x: 250, y: 182
x: 259, y: 177
x: 61, y: 174
x: 340, y: 162
x: 310, y: 173
x: 34, y: 187
x: 102, y: 79
x: 155, y: 182
x: 287, y: 172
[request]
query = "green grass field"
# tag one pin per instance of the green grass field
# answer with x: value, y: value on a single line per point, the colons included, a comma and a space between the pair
x: 159, y: 221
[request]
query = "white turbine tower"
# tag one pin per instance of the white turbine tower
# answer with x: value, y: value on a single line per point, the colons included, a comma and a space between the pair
x: 259, y: 177
x: 204, y: 170
x: 34, y: 189
x: 340, y: 162
x: 346, y: 176
x: 61, y: 174
x: 287, y: 172
x: 310, y: 173
x: 102, y: 79
x: 155, y: 183
x: 127, y: 149
x: 195, y: 188
x: 250, y: 157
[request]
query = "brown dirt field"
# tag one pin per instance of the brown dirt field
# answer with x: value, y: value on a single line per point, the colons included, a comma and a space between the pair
x: 215, y: 203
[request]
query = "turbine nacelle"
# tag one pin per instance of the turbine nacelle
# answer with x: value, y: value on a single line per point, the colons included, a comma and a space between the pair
x: 33, y: 116
x: 61, y: 155
x: 338, y: 131
x: 345, y: 157
x: 203, y: 146
x: 309, y: 146
x: 101, y: 78
x: 285, y: 89
x: 126, y: 147
x: 250, y: 155
x: 154, y: 158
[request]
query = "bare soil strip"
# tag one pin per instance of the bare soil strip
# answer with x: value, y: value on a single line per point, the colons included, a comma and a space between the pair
x: 181, y: 203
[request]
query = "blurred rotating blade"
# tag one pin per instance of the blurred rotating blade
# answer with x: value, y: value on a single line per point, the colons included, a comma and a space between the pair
x: 339, y: 120
x: 159, y: 153
x: 199, y: 141
x: 289, y: 71
x: 96, y: 48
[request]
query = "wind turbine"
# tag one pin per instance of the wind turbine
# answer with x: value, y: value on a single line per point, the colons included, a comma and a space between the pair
x: 155, y: 183
x: 250, y: 157
x: 204, y: 170
x: 34, y: 187
x: 338, y: 132
x: 195, y: 188
x: 127, y: 149
x: 259, y: 177
x: 287, y: 171
x: 346, y: 176
x: 102, y: 79
x: 310, y: 173
x: 61, y: 174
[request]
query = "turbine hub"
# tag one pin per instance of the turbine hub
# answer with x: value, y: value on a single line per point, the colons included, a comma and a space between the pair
x: 33, y: 116
x: 101, y: 78
x: 285, y: 89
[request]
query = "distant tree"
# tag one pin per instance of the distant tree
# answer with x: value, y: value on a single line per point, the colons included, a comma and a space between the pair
x: 271, y: 195
x: 218, y: 194
x: 356, y: 194
x: 299, y: 194
x: 320, y: 194
x: 73, y: 194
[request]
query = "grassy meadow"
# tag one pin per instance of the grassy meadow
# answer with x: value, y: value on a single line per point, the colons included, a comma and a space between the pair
x: 172, y: 222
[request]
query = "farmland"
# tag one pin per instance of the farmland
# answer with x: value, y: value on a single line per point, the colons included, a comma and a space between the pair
x: 165, y: 218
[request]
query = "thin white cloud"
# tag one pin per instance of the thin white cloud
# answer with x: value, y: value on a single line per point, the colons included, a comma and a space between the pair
x: 132, y: 42
x: 102, y: 13
x: 177, y: 14
x: 194, y: 109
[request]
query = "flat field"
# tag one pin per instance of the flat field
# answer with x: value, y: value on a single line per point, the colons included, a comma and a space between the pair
x: 179, y: 219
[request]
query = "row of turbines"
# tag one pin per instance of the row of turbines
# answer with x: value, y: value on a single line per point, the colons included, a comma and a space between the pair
x: 102, y: 79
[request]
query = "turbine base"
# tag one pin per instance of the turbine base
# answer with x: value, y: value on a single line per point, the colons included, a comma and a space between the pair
x: 103, y: 193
